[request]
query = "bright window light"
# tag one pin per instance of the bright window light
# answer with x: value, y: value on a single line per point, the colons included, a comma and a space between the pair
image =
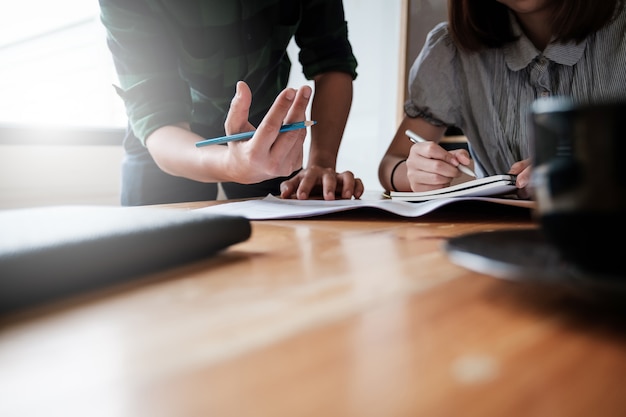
x: 56, y: 68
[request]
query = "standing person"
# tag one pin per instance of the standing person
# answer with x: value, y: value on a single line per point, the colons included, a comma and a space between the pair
x: 481, y: 71
x: 179, y: 64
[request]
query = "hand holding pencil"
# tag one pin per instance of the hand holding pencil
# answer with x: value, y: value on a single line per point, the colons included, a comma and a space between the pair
x: 415, y: 138
x: 247, y: 135
x: 276, y: 144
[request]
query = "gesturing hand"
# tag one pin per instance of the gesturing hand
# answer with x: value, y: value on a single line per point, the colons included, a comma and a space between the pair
x: 269, y: 153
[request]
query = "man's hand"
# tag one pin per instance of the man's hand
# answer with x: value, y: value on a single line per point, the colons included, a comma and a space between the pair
x: 268, y: 153
x: 325, y: 182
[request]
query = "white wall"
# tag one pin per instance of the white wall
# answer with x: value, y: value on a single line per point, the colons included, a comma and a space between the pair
x: 374, y: 28
x: 36, y: 175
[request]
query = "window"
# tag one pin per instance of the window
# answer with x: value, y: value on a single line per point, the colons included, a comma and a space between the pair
x: 56, y: 68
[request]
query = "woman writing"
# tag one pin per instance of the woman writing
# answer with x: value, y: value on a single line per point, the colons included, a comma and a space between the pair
x: 480, y: 72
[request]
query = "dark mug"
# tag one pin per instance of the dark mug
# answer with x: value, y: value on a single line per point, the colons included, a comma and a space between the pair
x: 579, y: 181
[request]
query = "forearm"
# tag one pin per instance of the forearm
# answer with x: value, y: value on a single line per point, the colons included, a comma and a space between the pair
x: 174, y: 151
x: 330, y: 108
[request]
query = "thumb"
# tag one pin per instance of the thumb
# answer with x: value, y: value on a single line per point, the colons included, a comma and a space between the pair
x: 239, y: 111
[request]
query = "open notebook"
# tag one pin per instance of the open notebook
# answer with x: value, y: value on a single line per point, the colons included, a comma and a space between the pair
x: 47, y: 253
x: 272, y: 207
x: 495, y: 185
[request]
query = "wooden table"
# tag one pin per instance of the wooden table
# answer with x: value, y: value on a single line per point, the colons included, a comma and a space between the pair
x: 353, y: 314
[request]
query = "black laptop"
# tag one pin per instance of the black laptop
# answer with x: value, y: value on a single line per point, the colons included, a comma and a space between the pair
x: 47, y: 253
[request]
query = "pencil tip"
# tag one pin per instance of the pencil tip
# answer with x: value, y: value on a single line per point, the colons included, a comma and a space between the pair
x: 309, y: 123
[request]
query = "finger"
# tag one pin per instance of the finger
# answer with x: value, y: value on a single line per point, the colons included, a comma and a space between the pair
x: 523, y: 178
x: 290, y: 144
x: 350, y: 185
x: 311, y: 182
x: 268, y: 130
x: 359, y: 188
x: 239, y: 111
x: 461, y: 155
x: 519, y: 166
x: 288, y: 187
x: 436, y: 159
x: 308, y: 181
x: 294, y: 140
x: 329, y: 185
x: 431, y: 168
x: 421, y: 175
x: 297, y: 112
x: 347, y: 182
x: 431, y: 150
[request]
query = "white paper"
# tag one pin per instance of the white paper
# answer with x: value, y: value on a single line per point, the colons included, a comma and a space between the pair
x: 272, y: 208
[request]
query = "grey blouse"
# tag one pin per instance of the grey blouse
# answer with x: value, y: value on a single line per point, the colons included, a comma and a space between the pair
x: 488, y: 94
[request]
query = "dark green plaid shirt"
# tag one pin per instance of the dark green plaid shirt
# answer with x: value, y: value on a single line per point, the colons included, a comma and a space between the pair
x: 179, y: 60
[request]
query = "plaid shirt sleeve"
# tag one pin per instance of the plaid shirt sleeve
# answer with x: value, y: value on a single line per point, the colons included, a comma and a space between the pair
x: 323, y: 39
x: 180, y: 61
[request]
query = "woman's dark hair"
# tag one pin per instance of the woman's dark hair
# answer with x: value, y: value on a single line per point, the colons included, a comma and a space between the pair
x: 478, y: 24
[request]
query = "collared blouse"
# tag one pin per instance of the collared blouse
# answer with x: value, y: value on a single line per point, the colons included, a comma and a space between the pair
x: 488, y: 94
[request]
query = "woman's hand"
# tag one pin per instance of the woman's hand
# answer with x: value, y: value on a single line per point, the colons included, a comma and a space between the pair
x: 430, y: 166
x: 523, y: 170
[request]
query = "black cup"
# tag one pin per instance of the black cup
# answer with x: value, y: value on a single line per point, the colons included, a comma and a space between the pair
x: 579, y: 181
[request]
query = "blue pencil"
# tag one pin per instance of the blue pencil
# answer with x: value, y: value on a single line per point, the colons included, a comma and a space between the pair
x: 248, y: 135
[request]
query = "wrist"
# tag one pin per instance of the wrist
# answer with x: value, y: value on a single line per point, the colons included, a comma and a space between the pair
x: 393, y: 173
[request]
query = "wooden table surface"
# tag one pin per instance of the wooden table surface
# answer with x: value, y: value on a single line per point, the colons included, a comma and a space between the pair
x: 353, y: 314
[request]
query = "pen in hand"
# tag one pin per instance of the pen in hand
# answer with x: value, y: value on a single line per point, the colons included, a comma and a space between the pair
x: 248, y: 135
x: 415, y: 138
